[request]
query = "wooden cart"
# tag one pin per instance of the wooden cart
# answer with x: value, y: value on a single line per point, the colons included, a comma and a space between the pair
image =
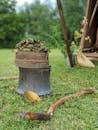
x: 89, y: 40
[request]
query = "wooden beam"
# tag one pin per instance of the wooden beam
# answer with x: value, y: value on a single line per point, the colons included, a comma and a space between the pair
x: 85, y: 26
x: 93, y: 14
x: 64, y: 30
x: 94, y: 54
x: 93, y: 58
x: 89, y: 31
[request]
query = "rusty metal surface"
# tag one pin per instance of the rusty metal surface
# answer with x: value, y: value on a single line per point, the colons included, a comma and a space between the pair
x: 34, y: 79
x: 31, y: 59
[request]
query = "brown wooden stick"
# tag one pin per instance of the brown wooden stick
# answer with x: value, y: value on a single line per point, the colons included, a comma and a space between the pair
x: 9, y: 78
x: 67, y: 98
x: 85, y: 26
x: 65, y: 33
x: 93, y: 14
x: 49, y: 114
x: 35, y: 116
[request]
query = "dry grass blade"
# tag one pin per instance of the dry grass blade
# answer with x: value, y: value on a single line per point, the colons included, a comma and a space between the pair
x: 9, y: 78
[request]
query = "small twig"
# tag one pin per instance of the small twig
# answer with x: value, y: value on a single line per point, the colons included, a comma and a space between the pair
x: 9, y: 78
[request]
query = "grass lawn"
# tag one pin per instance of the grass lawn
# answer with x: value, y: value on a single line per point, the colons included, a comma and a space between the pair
x: 77, y: 114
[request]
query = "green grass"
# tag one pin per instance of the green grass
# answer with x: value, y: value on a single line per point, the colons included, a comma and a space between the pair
x: 77, y: 114
x: 7, y: 63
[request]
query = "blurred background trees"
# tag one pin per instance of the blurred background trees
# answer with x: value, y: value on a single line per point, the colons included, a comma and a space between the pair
x: 11, y: 24
x: 74, y: 11
x: 38, y: 20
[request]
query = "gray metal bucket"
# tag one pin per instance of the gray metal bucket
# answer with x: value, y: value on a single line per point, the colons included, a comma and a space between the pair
x: 34, y: 72
x: 34, y: 79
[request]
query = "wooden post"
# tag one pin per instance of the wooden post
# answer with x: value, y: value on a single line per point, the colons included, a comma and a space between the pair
x: 93, y: 14
x: 64, y: 30
x: 90, y: 25
x: 85, y: 26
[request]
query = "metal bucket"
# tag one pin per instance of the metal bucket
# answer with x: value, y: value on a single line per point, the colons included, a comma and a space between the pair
x: 34, y: 72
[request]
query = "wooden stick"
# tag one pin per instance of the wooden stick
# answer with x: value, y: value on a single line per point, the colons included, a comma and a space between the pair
x: 9, y: 78
x: 85, y: 26
x: 35, y: 116
x: 67, y: 98
x: 93, y: 14
x: 49, y: 114
x: 65, y: 33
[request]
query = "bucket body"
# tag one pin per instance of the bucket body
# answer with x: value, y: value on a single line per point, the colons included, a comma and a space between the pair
x: 34, y: 79
x: 34, y: 73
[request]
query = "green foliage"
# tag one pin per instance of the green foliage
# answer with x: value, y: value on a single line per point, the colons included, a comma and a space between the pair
x: 11, y: 24
x: 7, y: 6
x: 74, y: 11
x: 75, y: 43
x: 42, y: 24
x: 77, y: 114
x: 38, y: 21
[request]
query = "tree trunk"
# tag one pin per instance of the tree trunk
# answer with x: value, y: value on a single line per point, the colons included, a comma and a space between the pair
x: 65, y: 33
